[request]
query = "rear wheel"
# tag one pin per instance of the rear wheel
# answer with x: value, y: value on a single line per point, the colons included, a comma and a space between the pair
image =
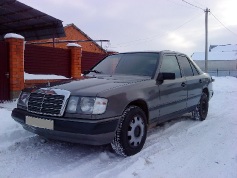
x: 201, y: 110
x: 131, y: 133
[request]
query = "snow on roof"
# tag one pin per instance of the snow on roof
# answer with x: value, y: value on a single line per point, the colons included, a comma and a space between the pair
x: 224, y: 48
x: 215, y: 56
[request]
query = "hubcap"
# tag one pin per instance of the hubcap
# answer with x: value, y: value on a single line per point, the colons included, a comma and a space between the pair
x: 136, y: 131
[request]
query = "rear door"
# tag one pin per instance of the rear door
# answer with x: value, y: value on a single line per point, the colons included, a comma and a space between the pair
x: 193, y: 81
x: 173, y: 93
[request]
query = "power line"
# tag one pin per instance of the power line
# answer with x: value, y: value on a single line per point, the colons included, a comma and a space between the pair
x: 223, y: 24
x: 193, y: 5
x: 153, y: 36
x: 198, y: 3
x: 180, y: 4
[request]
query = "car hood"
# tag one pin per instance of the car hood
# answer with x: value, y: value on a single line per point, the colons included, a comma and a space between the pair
x: 92, y: 86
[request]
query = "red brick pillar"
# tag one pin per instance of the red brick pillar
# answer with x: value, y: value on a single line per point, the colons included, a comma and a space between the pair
x: 76, y: 53
x: 16, y: 63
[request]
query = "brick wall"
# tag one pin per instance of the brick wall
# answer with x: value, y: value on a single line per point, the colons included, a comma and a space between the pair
x: 16, y: 63
x: 76, y: 53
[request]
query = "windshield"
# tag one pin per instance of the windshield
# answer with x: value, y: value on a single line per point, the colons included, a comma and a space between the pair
x: 142, y: 64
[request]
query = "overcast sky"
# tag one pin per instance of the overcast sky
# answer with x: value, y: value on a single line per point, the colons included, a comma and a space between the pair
x: 138, y: 25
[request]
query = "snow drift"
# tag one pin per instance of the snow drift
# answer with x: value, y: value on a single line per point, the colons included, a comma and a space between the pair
x: 180, y: 148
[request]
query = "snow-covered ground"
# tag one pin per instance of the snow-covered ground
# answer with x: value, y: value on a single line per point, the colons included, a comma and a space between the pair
x: 180, y: 148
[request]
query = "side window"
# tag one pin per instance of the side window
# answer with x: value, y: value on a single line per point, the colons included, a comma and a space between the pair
x: 170, y: 65
x: 185, y: 65
x: 195, y: 72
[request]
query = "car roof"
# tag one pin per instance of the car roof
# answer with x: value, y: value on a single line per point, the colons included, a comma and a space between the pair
x: 162, y: 52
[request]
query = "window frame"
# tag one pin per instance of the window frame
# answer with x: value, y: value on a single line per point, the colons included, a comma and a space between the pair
x: 175, y: 56
x: 193, y: 67
x: 180, y: 63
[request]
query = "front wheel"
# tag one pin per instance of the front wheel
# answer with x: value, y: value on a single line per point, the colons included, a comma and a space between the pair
x: 131, y: 133
x: 201, y: 110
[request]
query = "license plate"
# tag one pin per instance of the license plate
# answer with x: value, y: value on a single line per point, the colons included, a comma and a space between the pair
x: 40, y: 123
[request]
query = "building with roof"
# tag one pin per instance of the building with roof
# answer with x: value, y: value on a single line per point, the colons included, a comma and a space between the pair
x: 216, y: 60
x: 221, y: 58
x: 73, y: 33
x: 223, y: 48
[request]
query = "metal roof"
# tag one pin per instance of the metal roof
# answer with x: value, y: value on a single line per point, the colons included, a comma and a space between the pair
x: 16, y: 17
x: 215, y: 56
x: 223, y: 48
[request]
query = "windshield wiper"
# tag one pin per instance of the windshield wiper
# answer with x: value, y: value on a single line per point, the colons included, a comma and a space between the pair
x: 88, y: 71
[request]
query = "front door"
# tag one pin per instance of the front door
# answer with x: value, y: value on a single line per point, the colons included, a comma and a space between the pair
x: 4, y: 72
x: 173, y: 93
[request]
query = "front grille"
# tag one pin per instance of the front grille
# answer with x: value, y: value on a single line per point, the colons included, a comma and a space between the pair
x: 47, y: 104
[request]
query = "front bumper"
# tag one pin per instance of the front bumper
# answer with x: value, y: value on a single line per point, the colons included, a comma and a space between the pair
x: 92, y: 132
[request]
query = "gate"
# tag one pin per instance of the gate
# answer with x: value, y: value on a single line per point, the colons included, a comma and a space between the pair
x: 4, y: 72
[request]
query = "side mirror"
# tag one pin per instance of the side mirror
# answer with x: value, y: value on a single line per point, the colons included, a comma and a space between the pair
x: 165, y: 76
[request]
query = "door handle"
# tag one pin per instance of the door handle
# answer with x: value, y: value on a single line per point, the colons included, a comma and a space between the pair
x: 200, y: 81
x: 7, y: 75
x: 183, y: 84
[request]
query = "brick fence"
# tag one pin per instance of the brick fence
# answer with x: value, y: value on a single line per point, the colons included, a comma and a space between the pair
x: 16, y: 64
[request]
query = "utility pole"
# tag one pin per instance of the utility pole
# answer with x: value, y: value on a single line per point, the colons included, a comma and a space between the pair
x: 206, y: 38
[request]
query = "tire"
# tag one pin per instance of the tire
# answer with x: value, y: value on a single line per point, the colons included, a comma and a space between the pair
x: 131, y: 132
x: 201, y: 110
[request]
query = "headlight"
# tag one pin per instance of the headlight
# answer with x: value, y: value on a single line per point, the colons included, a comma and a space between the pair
x: 100, y: 106
x: 23, y: 99
x: 86, y: 105
x: 72, y: 104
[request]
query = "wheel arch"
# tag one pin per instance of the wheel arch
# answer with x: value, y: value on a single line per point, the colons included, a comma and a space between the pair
x: 205, y: 90
x: 143, y: 105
